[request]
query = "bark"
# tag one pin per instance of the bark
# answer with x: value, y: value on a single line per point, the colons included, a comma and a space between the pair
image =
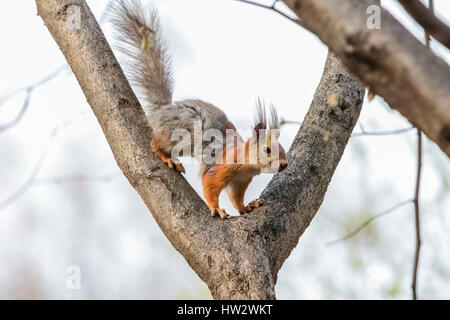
x: 391, y: 61
x: 426, y: 18
x: 237, y: 258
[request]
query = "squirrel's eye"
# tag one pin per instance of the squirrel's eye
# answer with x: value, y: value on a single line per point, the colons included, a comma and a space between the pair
x: 267, y: 150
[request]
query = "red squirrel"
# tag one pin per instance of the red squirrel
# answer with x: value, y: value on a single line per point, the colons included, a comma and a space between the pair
x: 236, y: 162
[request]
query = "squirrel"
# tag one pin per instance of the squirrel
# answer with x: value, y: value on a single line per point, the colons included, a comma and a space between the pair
x: 140, y: 39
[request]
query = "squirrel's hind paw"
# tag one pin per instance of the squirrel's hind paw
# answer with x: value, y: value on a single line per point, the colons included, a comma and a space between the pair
x: 222, y: 213
x: 252, y: 205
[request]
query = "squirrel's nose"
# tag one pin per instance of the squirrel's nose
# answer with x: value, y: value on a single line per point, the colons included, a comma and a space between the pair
x: 283, y: 165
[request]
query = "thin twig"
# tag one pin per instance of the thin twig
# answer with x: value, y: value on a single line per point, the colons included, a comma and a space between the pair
x: 417, y: 189
x: 363, y: 131
x: 417, y: 214
x: 363, y: 225
x: 283, y: 122
x: 19, y: 116
x: 78, y: 178
x: 33, y: 86
x: 272, y: 7
x: 379, y: 133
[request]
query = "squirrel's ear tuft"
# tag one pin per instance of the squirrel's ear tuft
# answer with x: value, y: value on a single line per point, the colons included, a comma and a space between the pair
x: 274, y: 123
x: 260, y: 115
x: 274, y: 119
x: 259, y: 131
x: 260, y: 122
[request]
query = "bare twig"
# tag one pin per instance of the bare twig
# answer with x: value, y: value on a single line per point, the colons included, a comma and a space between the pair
x: 418, y: 177
x: 283, y: 122
x: 78, y: 178
x: 33, y: 86
x: 382, y: 133
x: 22, y: 111
x: 379, y: 133
x: 274, y: 8
x: 428, y: 20
x: 363, y: 131
x: 417, y: 214
x: 368, y: 221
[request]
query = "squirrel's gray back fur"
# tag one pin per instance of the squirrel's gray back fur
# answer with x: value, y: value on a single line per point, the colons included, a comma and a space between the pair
x: 186, y: 114
x: 149, y: 68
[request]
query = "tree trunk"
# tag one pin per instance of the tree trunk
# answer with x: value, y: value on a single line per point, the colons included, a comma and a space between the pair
x: 237, y: 258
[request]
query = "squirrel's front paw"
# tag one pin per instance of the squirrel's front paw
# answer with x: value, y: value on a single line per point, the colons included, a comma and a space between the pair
x: 252, y: 205
x: 175, y: 164
x: 222, y: 213
x: 179, y: 167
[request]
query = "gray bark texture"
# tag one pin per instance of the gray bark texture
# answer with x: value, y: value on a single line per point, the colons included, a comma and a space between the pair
x: 391, y: 61
x: 237, y: 258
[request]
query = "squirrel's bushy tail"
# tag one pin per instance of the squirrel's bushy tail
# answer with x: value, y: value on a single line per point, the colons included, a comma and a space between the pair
x: 139, y: 37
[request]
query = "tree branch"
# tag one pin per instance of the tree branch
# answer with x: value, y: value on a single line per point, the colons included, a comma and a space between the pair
x: 294, y: 196
x: 432, y: 25
x: 391, y: 61
x: 237, y: 258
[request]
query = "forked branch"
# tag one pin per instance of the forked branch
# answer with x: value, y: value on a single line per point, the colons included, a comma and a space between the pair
x: 237, y: 258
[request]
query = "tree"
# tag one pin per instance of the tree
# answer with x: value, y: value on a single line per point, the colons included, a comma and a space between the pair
x: 237, y: 258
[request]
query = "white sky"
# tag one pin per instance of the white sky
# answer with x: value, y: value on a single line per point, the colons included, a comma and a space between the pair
x: 227, y: 53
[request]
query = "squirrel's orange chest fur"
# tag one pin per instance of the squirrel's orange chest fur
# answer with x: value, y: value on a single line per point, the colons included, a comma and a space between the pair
x: 235, y: 177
